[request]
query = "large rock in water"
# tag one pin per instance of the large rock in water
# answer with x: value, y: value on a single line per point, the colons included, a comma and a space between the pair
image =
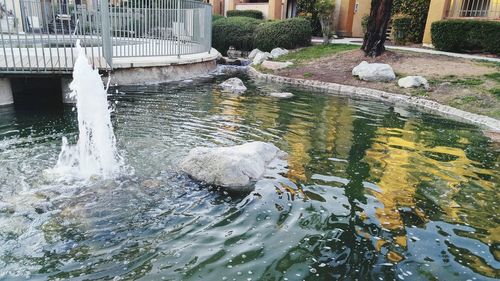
x: 233, y: 85
x: 376, y: 72
x: 231, y: 167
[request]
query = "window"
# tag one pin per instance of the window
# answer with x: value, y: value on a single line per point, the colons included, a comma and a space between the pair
x: 475, y: 8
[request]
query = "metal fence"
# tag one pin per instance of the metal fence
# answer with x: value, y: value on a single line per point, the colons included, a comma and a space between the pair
x: 487, y: 9
x: 40, y: 35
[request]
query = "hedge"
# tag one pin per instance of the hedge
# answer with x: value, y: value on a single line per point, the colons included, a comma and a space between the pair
x: 246, y: 13
x: 216, y: 17
x: 401, y: 29
x: 234, y: 31
x: 417, y: 9
x: 466, y: 35
x: 288, y: 34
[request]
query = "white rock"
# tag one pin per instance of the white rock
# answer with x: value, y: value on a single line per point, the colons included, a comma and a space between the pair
x: 230, y: 167
x: 261, y: 57
x: 253, y: 53
x: 379, y: 72
x: 233, y: 85
x: 278, y: 52
x: 276, y: 65
x: 413, y: 82
x: 282, y: 95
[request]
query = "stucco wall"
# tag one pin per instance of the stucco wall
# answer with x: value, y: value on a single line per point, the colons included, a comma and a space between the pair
x: 263, y: 7
x: 363, y: 9
x: 437, y: 10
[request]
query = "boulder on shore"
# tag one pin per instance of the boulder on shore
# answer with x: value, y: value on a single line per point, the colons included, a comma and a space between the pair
x: 253, y: 53
x: 233, y: 85
x: 231, y: 167
x: 413, y: 82
x: 281, y: 95
x: 276, y: 65
x: 278, y: 52
x: 261, y: 57
x: 374, y: 72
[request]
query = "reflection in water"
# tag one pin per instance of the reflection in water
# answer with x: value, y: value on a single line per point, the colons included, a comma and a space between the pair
x: 371, y: 193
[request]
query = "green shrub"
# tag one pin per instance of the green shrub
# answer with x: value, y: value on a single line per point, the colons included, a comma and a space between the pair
x: 234, y: 31
x: 216, y: 17
x: 246, y: 13
x: 288, y: 34
x: 364, y: 23
x: 466, y: 35
x: 417, y: 9
x: 401, y: 29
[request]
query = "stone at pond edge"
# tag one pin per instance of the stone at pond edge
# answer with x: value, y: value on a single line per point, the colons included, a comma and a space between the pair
x: 413, y: 82
x: 375, y: 72
x: 281, y: 95
x: 233, y: 85
x: 231, y: 167
x: 276, y: 65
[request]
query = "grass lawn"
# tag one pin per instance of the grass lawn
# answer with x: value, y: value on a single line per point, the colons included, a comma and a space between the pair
x: 315, y: 52
x: 471, y: 85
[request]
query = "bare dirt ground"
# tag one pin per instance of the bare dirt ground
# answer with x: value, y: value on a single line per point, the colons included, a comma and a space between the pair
x: 461, y: 83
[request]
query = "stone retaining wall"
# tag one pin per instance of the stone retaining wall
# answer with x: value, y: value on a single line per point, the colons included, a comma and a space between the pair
x: 156, y: 74
x: 352, y: 91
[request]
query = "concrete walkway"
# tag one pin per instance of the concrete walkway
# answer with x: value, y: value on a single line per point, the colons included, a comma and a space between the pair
x: 358, y: 41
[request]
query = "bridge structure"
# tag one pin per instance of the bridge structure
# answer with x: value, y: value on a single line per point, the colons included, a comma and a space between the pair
x: 38, y: 37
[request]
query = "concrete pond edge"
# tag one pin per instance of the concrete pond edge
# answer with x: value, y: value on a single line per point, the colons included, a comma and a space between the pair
x: 423, y: 104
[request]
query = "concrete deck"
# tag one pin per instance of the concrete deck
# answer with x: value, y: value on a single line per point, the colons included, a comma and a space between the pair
x: 358, y: 41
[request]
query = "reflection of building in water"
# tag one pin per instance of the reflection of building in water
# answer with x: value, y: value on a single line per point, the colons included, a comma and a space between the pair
x: 410, y: 170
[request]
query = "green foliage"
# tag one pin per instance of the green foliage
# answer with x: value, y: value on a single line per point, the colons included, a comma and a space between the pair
x: 325, y: 10
x: 417, y: 10
x: 234, y: 31
x: 364, y: 23
x: 466, y: 35
x: 216, y: 17
x: 246, y: 13
x: 495, y: 92
x: 288, y: 34
x: 494, y: 76
x: 401, y: 29
x: 315, y: 52
x: 306, y: 9
x: 468, y: 82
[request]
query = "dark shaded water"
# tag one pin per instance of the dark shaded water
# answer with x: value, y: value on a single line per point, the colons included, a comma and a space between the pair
x: 373, y: 192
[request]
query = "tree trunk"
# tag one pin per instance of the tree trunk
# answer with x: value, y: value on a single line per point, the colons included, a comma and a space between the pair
x: 380, y: 14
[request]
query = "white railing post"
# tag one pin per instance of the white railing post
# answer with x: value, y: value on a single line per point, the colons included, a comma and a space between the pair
x: 178, y: 28
x: 106, y: 33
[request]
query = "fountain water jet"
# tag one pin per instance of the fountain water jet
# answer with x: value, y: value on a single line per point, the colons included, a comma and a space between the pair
x: 95, y: 153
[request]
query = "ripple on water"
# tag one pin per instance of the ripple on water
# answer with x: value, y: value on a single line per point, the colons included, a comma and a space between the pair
x: 371, y: 192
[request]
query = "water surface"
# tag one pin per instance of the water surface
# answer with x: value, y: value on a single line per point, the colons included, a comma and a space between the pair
x: 372, y: 192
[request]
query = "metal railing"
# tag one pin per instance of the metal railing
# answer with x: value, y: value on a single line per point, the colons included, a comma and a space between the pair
x: 483, y: 9
x: 40, y: 35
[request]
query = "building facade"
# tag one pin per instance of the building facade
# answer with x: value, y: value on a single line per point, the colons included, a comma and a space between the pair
x: 349, y: 14
x: 460, y: 9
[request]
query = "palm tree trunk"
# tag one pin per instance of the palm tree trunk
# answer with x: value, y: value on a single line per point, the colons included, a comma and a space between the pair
x: 380, y: 14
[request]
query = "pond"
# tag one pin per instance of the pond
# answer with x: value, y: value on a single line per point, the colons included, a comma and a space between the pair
x: 372, y: 192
